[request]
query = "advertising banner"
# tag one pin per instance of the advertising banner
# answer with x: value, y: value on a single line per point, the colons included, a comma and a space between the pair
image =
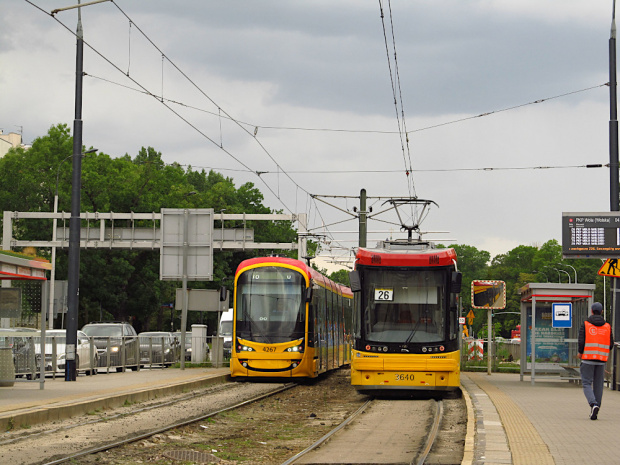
x: 550, y: 345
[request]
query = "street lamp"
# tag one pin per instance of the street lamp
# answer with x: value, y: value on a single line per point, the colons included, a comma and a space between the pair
x: 569, y: 281
x: 543, y: 273
x: 50, y: 318
x: 547, y: 266
x: 570, y: 266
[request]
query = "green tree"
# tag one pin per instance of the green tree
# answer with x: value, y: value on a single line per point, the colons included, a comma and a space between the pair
x: 124, y: 284
x: 473, y: 264
x: 341, y: 276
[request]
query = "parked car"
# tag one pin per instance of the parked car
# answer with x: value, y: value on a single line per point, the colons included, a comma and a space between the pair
x: 21, y: 341
x: 188, y: 344
x: 117, y: 343
x: 57, y: 339
x: 158, y: 347
x: 226, y: 329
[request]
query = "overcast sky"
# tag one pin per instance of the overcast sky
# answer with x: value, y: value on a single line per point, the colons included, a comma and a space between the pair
x: 322, y: 67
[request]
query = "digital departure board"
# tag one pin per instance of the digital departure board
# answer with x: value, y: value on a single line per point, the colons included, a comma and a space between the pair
x: 594, y: 235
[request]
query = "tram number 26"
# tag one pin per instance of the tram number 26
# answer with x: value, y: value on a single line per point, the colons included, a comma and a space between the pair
x: 384, y: 294
x: 404, y: 376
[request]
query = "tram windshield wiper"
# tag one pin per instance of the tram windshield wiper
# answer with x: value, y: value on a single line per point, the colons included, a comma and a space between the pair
x: 412, y: 333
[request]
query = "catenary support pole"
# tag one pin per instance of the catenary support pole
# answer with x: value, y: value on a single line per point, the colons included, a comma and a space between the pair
x: 74, y: 222
x: 363, y: 227
x: 614, y: 195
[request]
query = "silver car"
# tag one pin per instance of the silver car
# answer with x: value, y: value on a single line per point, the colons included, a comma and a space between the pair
x: 55, y: 344
x: 158, y: 348
x: 116, y: 342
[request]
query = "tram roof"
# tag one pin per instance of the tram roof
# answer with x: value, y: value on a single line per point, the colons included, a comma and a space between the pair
x: 308, y: 270
x: 406, y: 257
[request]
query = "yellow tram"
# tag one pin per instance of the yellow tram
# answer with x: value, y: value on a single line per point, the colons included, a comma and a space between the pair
x: 289, y: 321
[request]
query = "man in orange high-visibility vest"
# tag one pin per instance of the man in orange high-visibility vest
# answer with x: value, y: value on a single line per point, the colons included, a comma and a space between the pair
x: 595, y: 344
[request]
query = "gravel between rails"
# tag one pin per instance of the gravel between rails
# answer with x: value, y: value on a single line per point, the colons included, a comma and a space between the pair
x: 265, y: 432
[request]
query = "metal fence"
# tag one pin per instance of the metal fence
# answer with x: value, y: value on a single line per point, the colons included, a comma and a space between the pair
x: 21, y: 354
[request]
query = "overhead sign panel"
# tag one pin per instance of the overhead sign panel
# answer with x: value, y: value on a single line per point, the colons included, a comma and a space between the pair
x: 591, y: 235
x: 186, y: 244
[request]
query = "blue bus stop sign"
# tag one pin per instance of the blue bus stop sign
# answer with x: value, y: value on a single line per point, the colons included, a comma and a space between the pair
x: 562, y: 315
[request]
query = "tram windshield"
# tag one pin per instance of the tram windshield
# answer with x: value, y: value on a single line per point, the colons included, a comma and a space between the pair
x: 405, y: 306
x: 270, y: 307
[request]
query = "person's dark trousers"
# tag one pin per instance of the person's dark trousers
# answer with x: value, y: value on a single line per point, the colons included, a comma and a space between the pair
x: 592, y: 379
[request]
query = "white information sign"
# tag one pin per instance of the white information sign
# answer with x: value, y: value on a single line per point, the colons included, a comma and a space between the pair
x: 385, y: 295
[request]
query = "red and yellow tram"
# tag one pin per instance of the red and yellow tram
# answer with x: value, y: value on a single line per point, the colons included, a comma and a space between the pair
x: 406, y: 318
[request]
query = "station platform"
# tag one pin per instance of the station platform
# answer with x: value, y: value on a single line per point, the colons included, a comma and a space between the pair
x: 25, y: 403
x: 545, y: 423
x: 509, y: 421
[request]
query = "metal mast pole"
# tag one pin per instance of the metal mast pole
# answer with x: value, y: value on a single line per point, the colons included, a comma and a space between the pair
x: 74, y: 222
x: 363, y: 227
x: 613, y: 119
x: 614, y: 195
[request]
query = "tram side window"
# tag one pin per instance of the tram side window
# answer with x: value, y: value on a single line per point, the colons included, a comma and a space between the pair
x: 319, y: 310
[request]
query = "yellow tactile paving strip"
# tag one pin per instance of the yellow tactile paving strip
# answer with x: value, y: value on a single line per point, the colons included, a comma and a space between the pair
x: 526, y: 445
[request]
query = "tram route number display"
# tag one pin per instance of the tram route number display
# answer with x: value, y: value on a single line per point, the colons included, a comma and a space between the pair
x: 385, y: 295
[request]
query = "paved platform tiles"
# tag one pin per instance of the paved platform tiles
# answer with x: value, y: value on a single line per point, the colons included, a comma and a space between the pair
x: 544, y: 423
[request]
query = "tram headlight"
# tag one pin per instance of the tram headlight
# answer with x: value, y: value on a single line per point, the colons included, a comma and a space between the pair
x: 424, y: 349
x: 241, y: 348
x: 295, y: 349
x: 385, y: 349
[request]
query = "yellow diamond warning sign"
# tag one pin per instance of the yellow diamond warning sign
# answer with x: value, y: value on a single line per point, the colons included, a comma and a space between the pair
x: 610, y: 268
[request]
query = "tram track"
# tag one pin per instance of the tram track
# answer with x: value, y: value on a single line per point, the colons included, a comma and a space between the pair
x: 153, y: 432
x: 270, y: 428
x: 363, y: 448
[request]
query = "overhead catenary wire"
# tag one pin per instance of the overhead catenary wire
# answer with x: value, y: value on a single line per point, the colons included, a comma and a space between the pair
x: 248, y: 169
x: 162, y: 100
x: 397, y: 96
x: 429, y: 170
x: 197, y: 87
x: 361, y: 131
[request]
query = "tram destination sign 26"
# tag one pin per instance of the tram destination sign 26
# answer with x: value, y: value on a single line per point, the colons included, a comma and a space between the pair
x: 591, y: 235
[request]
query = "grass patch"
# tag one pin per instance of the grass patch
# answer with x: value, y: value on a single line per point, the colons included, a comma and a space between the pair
x: 193, y: 365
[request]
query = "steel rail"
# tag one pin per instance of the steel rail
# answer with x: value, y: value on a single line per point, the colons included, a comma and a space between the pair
x: 328, y: 435
x: 139, y: 437
x: 432, y: 435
